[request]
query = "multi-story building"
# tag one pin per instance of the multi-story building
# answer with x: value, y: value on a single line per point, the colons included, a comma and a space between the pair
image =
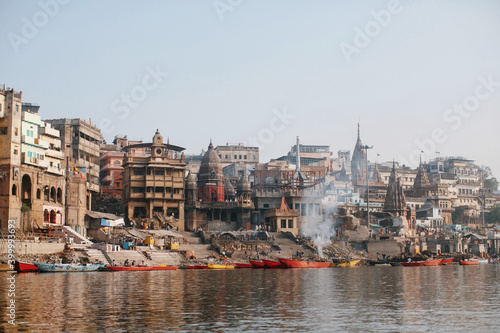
x: 153, y: 182
x: 33, y: 183
x: 229, y: 154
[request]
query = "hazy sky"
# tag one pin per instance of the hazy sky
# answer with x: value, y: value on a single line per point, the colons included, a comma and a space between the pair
x: 418, y: 75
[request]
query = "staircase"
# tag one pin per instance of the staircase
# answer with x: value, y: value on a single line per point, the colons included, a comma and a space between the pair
x: 95, y: 255
x: 77, y: 237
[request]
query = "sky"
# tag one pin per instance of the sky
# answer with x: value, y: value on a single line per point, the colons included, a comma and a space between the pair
x: 419, y: 76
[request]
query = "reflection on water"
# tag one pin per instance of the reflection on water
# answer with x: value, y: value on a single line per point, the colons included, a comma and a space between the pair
x: 403, y: 299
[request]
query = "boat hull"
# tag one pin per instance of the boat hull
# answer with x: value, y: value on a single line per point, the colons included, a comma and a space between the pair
x: 447, y: 261
x: 256, y: 264
x: 55, y: 268
x: 271, y: 263
x: 126, y: 268
x: 242, y: 265
x: 216, y: 266
x: 293, y: 263
x: 433, y: 262
x: 22, y: 267
x: 412, y: 264
x: 469, y: 262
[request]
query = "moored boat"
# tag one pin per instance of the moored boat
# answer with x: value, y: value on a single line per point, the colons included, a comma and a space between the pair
x: 432, y: 262
x: 256, y: 264
x: 469, y: 262
x: 271, y: 263
x: 353, y: 263
x: 219, y: 266
x: 413, y: 263
x: 242, y: 265
x: 294, y: 263
x: 5, y: 268
x: 128, y: 268
x: 483, y: 261
x: 447, y: 261
x: 43, y: 267
x: 21, y: 267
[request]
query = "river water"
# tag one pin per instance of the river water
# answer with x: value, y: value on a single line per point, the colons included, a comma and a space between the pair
x: 359, y: 299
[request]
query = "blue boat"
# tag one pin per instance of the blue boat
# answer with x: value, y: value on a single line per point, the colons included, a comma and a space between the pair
x: 42, y: 267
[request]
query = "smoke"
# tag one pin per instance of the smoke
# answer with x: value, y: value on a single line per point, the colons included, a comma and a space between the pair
x: 320, y: 230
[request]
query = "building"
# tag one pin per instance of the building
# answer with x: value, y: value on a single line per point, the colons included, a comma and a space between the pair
x: 211, y: 201
x: 229, y: 154
x: 33, y: 186
x: 358, y: 164
x: 153, y: 184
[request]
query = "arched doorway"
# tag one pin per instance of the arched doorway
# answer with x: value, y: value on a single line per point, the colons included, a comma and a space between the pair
x: 59, y: 195
x: 53, y: 194
x: 53, y: 216
x: 26, y: 190
x: 46, y: 216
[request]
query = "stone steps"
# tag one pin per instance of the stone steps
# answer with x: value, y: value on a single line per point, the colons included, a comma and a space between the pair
x: 95, y: 255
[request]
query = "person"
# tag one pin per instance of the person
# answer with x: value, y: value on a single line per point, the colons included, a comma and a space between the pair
x: 126, y: 263
x: 133, y: 262
x: 113, y: 263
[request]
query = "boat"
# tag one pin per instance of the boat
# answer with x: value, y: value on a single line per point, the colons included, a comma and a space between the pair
x: 412, y: 263
x: 483, y: 261
x: 434, y: 262
x: 21, y: 267
x: 256, y: 264
x: 271, y: 263
x: 242, y: 265
x: 43, y: 267
x: 447, y: 261
x: 129, y: 268
x: 469, y: 262
x: 219, y: 266
x: 382, y: 264
x: 294, y: 263
x: 162, y: 267
x: 5, y: 268
x: 351, y: 263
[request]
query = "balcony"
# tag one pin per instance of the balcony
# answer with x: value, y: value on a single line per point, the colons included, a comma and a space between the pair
x: 49, y: 131
x: 55, y: 153
x: 55, y: 170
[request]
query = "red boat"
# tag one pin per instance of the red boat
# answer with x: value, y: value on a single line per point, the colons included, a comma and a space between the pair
x: 256, y: 264
x: 469, y: 262
x: 271, y: 263
x: 242, y: 265
x: 129, y: 268
x: 447, y: 261
x: 21, y: 267
x: 413, y: 263
x: 292, y: 263
x: 432, y: 262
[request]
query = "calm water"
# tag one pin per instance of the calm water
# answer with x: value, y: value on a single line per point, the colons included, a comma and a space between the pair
x: 362, y: 299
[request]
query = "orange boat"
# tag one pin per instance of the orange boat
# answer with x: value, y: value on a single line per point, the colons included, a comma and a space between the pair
x: 432, y: 262
x: 163, y: 267
x: 256, y: 264
x: 447, y: 261
x: 293, y: 263
x: 271, y: 263
x: 469, y: 262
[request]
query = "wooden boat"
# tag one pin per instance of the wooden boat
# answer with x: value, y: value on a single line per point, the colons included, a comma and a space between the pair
x: 162, y: 267
x: 383, y: 264
x: 42, y: 267
x: 469, y: 262
x: 219, y: 266
x: 271, y: 263
x: 293, y: 263
x: 432, y: 262
x: 447, y: 261
x: 412, y: 263
x: 483, y: 261
x: 21, y: 267
x: 129, y: 268
x: 5, y: 268
x: 256, y: 264
x: 351, y: 263
x: 242, y: 265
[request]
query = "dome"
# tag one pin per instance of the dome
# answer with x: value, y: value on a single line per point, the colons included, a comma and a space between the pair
x: 210, y: 168
x: 243, y: 185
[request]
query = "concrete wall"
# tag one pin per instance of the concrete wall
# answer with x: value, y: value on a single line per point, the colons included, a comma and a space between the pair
x: 33, y: 247
x: 389, y: 247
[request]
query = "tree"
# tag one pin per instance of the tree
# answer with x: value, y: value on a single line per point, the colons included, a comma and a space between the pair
x: 490, y: 182
x: 494, y: 214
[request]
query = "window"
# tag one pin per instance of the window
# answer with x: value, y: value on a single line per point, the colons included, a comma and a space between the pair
x: 245, y: 157
x: 3, y: 130
x: 16, y: 131
x: 266, y: 205
x: 290, y: 224
x: 138, y: 172
x: 16, y: 152
x: 283, y: 223
x: 235, y: 157
x: 138, y: 189
x: 159, y: 189
x: 240, y: 157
